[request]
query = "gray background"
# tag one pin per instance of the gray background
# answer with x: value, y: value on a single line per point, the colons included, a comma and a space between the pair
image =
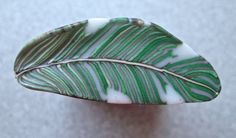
x: 206, y: 25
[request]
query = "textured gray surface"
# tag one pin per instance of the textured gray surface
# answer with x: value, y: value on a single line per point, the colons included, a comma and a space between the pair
x: 206, y: 25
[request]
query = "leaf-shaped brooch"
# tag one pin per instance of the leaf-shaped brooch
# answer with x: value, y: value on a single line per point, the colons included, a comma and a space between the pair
x: 120, y: 60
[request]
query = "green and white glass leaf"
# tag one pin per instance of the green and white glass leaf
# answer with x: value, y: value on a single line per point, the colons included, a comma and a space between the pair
x: 118, y: 60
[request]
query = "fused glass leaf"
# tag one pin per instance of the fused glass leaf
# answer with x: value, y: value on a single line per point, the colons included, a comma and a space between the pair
x: 118, y: 60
